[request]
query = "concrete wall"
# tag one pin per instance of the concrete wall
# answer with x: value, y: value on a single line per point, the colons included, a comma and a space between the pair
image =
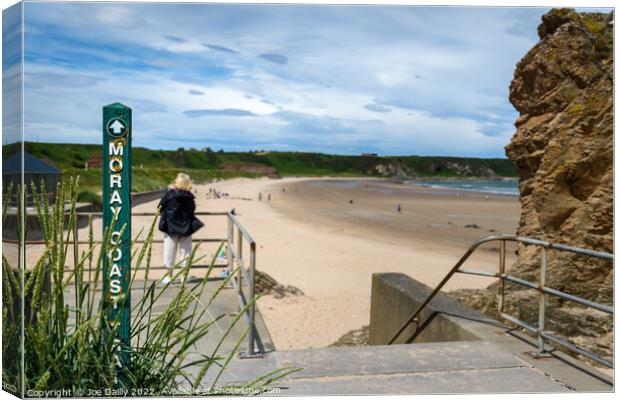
x: 145, y: 197
x: 396, y: 296
x: 9, y: 228
x: 136, y: 199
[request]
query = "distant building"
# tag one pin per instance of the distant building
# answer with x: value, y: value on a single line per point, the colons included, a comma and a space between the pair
x: 369, y: 154
x: 96, y: 161
x: 35, y: 170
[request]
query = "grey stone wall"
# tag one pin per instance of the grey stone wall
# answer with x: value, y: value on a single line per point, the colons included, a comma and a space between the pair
x: 396, y: 296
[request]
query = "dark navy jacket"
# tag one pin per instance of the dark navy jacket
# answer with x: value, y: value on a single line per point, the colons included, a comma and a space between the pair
x: 177, y: 213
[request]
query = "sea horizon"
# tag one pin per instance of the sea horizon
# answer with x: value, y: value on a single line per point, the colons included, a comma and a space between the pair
x: 496, y: 186
x: 502, y: 186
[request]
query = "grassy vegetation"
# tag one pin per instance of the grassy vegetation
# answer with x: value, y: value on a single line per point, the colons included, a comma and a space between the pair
x: 69, y: 345
x: 154, y: 169
x: 145, y: 179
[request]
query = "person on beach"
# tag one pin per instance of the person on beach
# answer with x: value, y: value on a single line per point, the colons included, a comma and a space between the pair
x: 178, y: 222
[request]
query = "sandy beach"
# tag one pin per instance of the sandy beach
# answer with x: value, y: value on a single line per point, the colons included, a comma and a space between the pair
x: 328, y: 236
x: 314, y: 238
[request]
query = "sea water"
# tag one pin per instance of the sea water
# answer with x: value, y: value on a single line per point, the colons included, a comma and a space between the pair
x: 508, y: 187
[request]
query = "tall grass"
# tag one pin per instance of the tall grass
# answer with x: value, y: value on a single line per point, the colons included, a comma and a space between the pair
x: 69, y: 344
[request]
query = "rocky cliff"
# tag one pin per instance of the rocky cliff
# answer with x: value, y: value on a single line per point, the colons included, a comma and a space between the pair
x: 563, y: 151
x: 431, y: 166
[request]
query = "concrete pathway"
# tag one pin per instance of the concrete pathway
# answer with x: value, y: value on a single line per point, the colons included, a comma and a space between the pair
x: 449, y: 367
x: 225, y: 304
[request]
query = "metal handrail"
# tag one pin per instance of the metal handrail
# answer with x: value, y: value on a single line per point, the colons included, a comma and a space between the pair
x: 441, y: 284
x: 133, y: 214
x: 243, y: 231
x: 544, y: 291
x: 234, y: 257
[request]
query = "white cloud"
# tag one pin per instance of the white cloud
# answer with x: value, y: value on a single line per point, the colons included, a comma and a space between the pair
x: 443, y: 74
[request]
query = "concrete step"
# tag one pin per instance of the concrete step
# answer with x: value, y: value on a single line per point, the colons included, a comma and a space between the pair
x: 448, y: 367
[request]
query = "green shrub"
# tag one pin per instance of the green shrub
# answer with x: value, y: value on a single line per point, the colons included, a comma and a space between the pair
x: 86, y: 196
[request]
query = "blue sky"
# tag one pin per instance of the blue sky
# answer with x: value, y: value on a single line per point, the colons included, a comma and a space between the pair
x: 11, y: 75
x: 335, y: 79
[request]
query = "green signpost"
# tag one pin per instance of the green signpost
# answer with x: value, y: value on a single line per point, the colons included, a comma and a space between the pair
x: 116, y: 203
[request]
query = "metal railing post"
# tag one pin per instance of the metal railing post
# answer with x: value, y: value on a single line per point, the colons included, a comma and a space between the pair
x: 542, y: 300
x: 239, y: 255
x: 229, y: 244
x: 536, y: 329
x: 502, y: 270
x: 251, y: 288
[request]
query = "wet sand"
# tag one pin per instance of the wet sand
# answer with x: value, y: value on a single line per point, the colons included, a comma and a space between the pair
x: 313, y: 237
x: 428, y: 216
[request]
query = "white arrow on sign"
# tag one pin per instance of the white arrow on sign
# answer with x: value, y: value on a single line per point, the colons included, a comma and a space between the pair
x: 116, y: 126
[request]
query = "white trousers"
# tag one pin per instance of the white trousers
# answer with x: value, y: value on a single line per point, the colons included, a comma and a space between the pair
x: 171, y: 243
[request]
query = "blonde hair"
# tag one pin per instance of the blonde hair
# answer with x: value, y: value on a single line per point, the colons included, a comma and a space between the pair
x: 182, y: 182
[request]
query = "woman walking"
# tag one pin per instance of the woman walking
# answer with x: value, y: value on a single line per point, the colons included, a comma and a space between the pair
x: 178, y: 222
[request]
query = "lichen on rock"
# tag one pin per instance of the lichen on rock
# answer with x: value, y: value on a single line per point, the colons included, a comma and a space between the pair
x: 563, y: 151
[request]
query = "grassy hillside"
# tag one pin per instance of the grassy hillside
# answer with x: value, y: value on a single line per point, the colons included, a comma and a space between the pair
x: 67, y: 156
x: 153, y: 169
